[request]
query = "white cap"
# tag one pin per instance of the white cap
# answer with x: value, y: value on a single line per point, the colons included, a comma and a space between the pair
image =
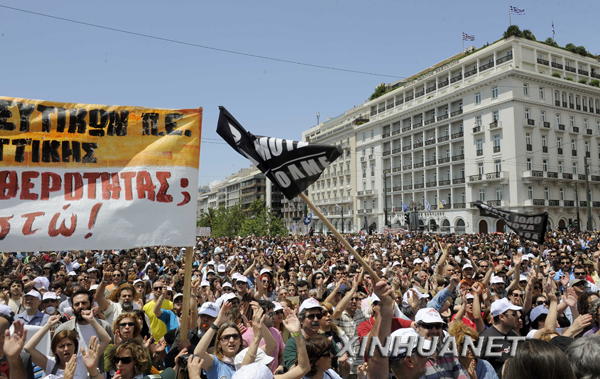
x: 221, y: 268
x: 496, y: 280
x: 254, y: 370
x: 5, y: 310
x: 205, y: 283
x: 242, y: 278
x: 211, y: 263
x: 183, y: 249
x: 169, y: 288
x: 537, y: 312
x: 137, y: 281
x: 49, y: 295
x: 500, y: 306
x: 261, y: 358
x: 210, y: 309
x: 396, y: 263
x: 227, y: 284
x: 75, y: 265
x: 405, y: 334
x: 264, y: 271
x: 93, y: 287
x: 466, y: 266
x: 417, y: 261
x: 278, y: 306
x: 41, y: 282
x: 92, y: 269
x: 34, y: 293
x: 522, y: 278
x: 72, y: 273
x: 225, y: 298
x: 470, y: 296
x: 428, y: 316
x: 525, y: 257
x: 209, y: 271
x: 235, y: 275
x: 309, y: 303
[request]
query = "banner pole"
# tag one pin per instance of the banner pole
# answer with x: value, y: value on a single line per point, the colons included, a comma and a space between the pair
x: 185, y: 312
x: 340, y: 238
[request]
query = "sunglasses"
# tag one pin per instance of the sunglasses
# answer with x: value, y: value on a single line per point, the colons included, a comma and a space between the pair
x: 518, y: 295
x: 158, y: 288
x: 326, y: 313
x: 431, y: 326
x: 579, y: 273
x: 48, y: 301
x: 318, y: 277
x: 227, y: 289
x: 124, y: 324
x: 234, y: 302
x: 580, y: 284
x: 279, y: 312
x: 355, y: 299
x: 229, y: 337
x: 124, y: 360
x: 541, y: 303
x: 318, y: 316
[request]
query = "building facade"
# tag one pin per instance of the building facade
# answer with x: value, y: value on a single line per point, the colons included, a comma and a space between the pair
x: 511, y: 124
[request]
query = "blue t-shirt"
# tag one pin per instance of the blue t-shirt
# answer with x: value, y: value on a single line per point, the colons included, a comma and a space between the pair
x: 170, y: 320
x: 220, y: 370
x: 485, y: 370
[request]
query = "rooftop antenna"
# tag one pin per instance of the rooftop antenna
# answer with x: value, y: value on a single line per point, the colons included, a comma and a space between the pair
x: 318, y: 116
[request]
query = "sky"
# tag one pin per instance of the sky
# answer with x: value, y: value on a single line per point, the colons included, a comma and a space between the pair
x: 57, y: 60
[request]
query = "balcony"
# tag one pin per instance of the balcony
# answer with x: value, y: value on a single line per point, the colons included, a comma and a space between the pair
x: 574, y: 153
x: 430, y: 163
x: 561, y: 127
x: 578, y: 107
x: 475, y: 178
x: 582, y: 203
x: 443, y: 160
x: 568, y: 203
x: 387, y: 171
x: 389, y: 106
x: 459, y: 205
x: 430, y: 121
x: 407, y: 147
x: 571, y: 105
x: 477, y: 129
x: 557, y: 65
x: 443, y: 117
x: 456, y: 78
x: 544, y: 149
x: 419, y: 94
x: 382, y: 109
x: 506, y: 58
x: 565, y: 175
x: 457, y: 181
x: 564, y: 104
x: 408, y: 187
x: 418, y: 144
x: 417, y: 125
x: 479, y: 152
x: 588, y: 154
x: 430, y: 141
x: 385, y: 135
x: 408, y: 98
x: 419, y: 185
x: 396, y: 151
x: 397, y: 169
x: 552, y: 175
x: 431, y: 184
x: 546, y: 124
x: 494, y: 125
x: 431, y: 89
x: 543, y: 61
x: 595, y: 178
x: 456, y: 113
x: 560, y: 151
x: 496, y: 149
x: 554, y: 203
x: 371, y: 156
x: 407, y: 167
x: 486, y: 66
x: 585, y: 109
x: 445, y: 182
x: 443, y: 138
x: 589, y: 132
x: 459, y: 157
x: 443, y: 84
x: 405, y: 129
x: 457, y: 135
x: 583, y: 72
x: 557, y: 103
x: 581, y: 177
x: 395, y: 132
x: 399, y: 102
x: 397, y: 188
x: 529, y: 147
x: 492, y: 203
x: 571, y: 69
x: 386, y: 153
x: 535, y: 202
x: 533, y: 174
x: 596, y: 204
x: 418, y: 165
x: 470, y: 73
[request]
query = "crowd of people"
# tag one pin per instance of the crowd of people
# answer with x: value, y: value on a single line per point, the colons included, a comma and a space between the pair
x: 302, y: 307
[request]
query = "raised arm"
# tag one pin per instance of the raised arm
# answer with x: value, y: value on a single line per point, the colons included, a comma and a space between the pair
x: 103, y: 303
x: 517, y: 272
x: 292, y: 324
x: 331, y: 296
x: 550, y: 324
x: 343, y: 304
x: 12, y: 349
x: 158, y: 305
x: 258, y: 319
x: 202, y: 346
x: 37, y: 357
x: 379, y: 367
x: 440, y: 267
x: 479, y: 324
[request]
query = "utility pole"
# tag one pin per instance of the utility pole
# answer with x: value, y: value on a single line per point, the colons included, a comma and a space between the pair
x: 577, y: 206
x: 588, y: 197
x: 342, y: 207
x: 385, y: 212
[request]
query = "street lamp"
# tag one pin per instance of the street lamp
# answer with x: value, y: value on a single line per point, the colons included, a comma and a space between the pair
x: 342, y: 210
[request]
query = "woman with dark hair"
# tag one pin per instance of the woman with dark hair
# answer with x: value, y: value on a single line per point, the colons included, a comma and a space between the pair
x: 141, y: 315
x: 129, y: 360
x: 594, y: 311
x: 127, y: 326
x: 538, y: 359
x: 65, y: 345
x: 320, y: 356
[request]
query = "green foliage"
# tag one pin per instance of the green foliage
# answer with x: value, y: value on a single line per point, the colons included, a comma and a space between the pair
x: 556, y: 75
x: 569, y: 78
x: 595, y: 83
x: 583, y: 81
x: 513, y: 30
x: 261, y: 221
x: 572, y: 48
x: 379, y: 90
x: 528, y: 35
x: 551, y: 42
x: 581, y: 51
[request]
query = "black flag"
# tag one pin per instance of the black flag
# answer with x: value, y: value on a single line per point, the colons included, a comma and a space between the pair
x: 531, y: 227
x: 292, y: 165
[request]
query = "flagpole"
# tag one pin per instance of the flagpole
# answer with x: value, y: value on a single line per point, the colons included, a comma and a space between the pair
x: 340, y: 237
x: 463, y: 41
x: 509, y: 20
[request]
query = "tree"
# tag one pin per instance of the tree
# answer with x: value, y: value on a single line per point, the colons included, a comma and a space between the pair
x: 261, y: 221
x: 528, y: 34
x: 513, y: 30
x: 551, y: 42
x: 207, y: 218
x: 224, y: 222
x: 379, y: 90
x: 581, y: 51
x: 572, y: 48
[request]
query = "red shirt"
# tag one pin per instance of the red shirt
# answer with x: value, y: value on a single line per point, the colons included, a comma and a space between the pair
x: 365, y: 327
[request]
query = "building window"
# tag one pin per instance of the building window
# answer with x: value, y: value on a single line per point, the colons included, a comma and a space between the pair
x: 529, y: 164
x: 558, y: 119
x: 559, y: 142
x: 587, y: 146
x: 478, y: 98
x: 526, y: 89
x: 480, y: 144
x: 546, y: 193
x: 482, y: 194
x: 543, y: 114
x: 545, y: 165
x: 561, y: 167
x: 528, y: 139
x: 541, y: 93
x: 499, y: 193
x: 364, y: 136
x: 561, y: 193
x: 527, y: 114
x: 572, y: 120
x: 497, y: 140
x: 478, y: 121
x: 575, y: 168
x: 496, y: 116
x: 480, y: 168
x: 585, y: 123
x: 574, y: 144
x: 498, y: 165
x: 556, y: 95
x: 530, y: 192
x: 495, y: 93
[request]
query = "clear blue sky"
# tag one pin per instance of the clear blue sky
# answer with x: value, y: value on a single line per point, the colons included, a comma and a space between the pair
x: 48, y: 59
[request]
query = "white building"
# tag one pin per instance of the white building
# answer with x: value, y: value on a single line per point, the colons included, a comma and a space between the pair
x: 502, y: 124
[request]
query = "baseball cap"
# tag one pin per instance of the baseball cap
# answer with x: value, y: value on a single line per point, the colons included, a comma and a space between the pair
x: 500, y: 306
x: 309, y: 303
x: 428, y: 316
x: 254, y: 370
x: 41, y: 282
x: 576, y: 281
x: 5, y: 310
x: 242, y: 279
x: 94, y: 287
x: 417, y: 260
x: 177, y: 296
x: 264, y: 271
x: 227, y: 284
x: 34, y: 293
x: 405, y: 334
x: 137, y: 281
x: 522, y: 278
x: 261, y: 357
x: 537, y: 312
x: 466, y: 266
x: 496, y: 280
x: 221, y: 268
x: 205, y: 283
x: 210, y: 309
x: 49, y: 295
x: 278, y: 306
x: 225, y: 298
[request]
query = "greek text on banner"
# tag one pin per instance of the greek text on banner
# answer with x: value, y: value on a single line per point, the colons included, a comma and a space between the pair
x: 82, y: 176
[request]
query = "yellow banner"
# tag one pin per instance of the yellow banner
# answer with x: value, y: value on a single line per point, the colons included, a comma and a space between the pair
x: 36, y: 133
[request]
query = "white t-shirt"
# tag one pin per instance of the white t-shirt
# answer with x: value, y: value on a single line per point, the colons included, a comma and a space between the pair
x: 86, y: 332
x: 80, y: 370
